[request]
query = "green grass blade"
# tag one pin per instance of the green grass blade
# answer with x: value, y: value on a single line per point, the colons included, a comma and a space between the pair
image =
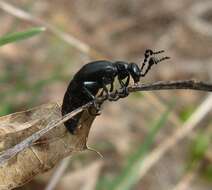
x: 17, y: 36
x: 130, y: 174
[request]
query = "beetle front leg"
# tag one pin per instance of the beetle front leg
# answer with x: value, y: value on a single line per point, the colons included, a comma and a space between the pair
x: 114, y: 96
x: 109, y: 97
x: 127, y: 81
x: 111, y: 86
x: 124, y: 93
x: 88, y: 93
x: 124, y: 89
x: 106, y: 90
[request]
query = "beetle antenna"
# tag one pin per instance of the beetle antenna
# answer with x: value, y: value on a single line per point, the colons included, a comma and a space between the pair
x: 151, y: 62
x: 158, y: 52
x: 143, y: 64
x: 161, y: 59
x: 147, y: 54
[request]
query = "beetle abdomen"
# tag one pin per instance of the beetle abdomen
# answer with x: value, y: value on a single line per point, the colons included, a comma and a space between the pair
x: 73, y: 99
x: 70, y: 103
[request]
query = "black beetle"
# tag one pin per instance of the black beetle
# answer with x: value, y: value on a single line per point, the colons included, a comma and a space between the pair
x: 97, y: 75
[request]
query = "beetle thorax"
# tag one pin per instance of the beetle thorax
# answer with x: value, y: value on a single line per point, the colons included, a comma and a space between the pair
x: 122, y: 68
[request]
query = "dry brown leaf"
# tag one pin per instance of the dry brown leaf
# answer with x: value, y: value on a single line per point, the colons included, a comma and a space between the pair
x: 46, y: 152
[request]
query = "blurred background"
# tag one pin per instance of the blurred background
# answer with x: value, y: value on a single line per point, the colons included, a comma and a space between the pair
x: 135, y: 135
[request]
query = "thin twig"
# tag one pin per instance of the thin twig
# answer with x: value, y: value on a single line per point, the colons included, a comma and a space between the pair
x: 172, y: 85
x: 164, y: 85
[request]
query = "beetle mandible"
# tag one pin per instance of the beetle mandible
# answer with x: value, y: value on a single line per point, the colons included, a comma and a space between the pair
x: 95, y: 76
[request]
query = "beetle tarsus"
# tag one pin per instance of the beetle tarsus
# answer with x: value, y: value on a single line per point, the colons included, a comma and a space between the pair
x: 124, y: 93
x: 95, y: 109
x: 113, y: 97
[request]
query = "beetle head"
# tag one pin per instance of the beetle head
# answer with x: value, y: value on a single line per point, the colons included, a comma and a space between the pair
x: 135, y: 72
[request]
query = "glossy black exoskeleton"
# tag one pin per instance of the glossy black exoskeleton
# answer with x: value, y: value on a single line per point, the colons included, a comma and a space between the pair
x: 95, y: 76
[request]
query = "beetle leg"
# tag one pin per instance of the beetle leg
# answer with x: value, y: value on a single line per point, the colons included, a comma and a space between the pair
x: 97, y: 109
x: 90, y: 95
x: 95, y: 112
x: 115, y: 97
x: 104, y: 90
x: 127, y: 81
x: 124, y: 93
x: 111, y: 86
x: 101, y: 93
x: 125, y: 90
x: 109, y: 97
x: 95, y: 105
x: 121, y: 83
x: 153, y: 61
